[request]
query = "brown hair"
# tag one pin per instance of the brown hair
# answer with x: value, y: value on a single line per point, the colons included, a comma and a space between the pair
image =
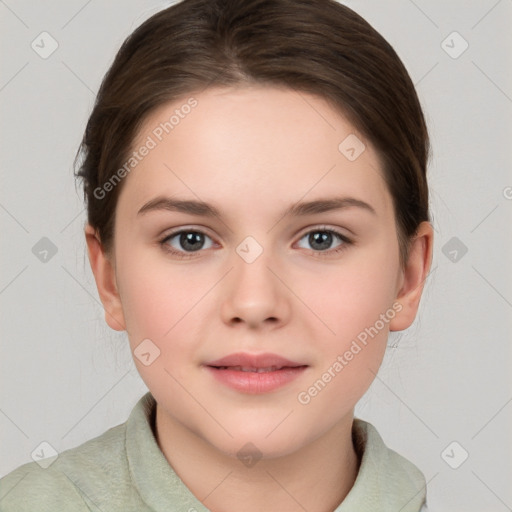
x: 315, y: 46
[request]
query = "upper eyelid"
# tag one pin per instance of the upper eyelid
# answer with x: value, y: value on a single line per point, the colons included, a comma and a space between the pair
x: 186, y: 229
x: 303, y: 232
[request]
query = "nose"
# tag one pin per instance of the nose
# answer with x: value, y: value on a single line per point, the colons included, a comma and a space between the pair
x: 254, y: 294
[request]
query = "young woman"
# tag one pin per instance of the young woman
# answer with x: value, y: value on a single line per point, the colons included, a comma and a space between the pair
x: 255, y: 178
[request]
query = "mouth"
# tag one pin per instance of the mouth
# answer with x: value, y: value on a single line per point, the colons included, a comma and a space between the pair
x: 255, y: 374
x: 252, y: 368
x: 253, y: 362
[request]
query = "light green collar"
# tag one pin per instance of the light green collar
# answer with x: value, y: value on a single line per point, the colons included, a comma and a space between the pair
x: 386, y: 481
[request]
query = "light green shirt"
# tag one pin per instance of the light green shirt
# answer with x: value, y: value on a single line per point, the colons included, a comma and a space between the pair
x: 124, y: 470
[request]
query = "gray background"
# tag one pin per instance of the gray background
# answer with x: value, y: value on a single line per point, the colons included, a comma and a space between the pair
x: 66, y: 377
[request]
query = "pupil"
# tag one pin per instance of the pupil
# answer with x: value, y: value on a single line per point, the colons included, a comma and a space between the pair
x: 191, y: 241
x: 322, y: 238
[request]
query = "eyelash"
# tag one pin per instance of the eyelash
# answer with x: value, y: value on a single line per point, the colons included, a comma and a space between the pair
x: 322, y: 229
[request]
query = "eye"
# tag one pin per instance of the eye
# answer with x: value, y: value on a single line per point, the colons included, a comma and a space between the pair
x: 321, y: 240
x: 185, y: 242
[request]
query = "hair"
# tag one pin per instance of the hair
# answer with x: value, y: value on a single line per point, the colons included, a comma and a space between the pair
x: 314, y: 46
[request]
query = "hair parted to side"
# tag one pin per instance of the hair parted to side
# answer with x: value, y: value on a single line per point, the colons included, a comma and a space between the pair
x: 314, y: 46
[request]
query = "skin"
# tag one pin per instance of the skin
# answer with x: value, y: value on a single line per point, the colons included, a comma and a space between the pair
x: 252, y: 152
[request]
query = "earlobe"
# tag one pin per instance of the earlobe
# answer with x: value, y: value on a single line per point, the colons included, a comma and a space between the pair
x: 104, y: 275
x: 413, y: 277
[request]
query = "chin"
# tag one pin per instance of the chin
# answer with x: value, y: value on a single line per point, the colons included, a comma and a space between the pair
x: 259, y: 441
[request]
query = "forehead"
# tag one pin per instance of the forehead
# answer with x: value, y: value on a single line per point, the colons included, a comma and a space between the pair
x: 253, y: 147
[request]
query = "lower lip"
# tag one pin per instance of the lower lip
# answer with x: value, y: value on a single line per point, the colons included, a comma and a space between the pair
x: 255, y: 383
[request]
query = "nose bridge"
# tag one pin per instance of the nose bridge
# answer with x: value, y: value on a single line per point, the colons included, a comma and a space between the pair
x: 250, y: 250
x: 254, y: 294
x: 252, y: 276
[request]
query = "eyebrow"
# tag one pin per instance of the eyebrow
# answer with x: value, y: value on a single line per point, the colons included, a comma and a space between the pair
x: 200, y: 208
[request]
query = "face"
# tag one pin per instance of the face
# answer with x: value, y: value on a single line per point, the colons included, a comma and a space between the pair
x: 300, y: 301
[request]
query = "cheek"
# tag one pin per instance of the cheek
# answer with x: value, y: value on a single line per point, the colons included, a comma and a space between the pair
x: 358, y: 309
x: 158, y: 300
x: 355, y: 302
x: 351, y: 295
x: 163, y: 314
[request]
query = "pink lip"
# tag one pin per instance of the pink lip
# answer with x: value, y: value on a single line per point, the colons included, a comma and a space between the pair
x: 254, y: 360
x: 274, y: 371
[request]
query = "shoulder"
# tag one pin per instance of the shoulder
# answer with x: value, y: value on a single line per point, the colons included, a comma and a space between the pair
x: 403, y: 470
x: 31, y: 488
x: 74, y: 481
x: 385, y: 477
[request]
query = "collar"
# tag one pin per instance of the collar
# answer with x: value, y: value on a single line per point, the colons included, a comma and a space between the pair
x: 386, y: 481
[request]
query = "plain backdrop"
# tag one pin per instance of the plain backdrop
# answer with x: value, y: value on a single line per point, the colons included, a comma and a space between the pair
x: 444, y: 391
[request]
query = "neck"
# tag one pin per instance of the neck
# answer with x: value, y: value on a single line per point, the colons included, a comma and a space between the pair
x: 316, y: 478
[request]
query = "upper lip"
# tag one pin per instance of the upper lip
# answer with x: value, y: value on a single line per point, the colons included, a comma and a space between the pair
x: 254, y: 361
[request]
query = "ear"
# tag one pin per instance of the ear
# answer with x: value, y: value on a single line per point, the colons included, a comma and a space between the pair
x: 413, y: 277
x: 104, y: 275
